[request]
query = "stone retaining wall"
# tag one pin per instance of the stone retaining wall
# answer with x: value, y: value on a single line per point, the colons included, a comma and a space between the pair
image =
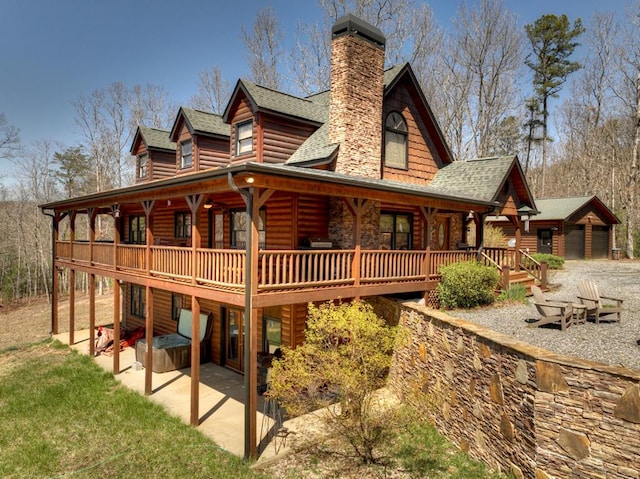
x: 517, y: 407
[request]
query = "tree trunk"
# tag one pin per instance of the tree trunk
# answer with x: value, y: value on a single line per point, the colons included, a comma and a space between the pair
x: 633, y: 180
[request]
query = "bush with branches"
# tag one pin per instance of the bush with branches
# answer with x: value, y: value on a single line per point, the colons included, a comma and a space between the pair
x: 338, y: 370
x: 467, y: 285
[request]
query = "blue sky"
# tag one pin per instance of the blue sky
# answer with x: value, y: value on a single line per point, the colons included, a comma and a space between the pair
x: 55, y: 50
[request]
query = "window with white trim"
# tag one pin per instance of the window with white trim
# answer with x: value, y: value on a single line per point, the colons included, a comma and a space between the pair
x: 244, y: 138
x: 395, y: 141
x: 185, y: 154
x: 143, y: 165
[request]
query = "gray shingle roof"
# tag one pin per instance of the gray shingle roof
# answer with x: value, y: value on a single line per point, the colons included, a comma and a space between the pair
x: 316, y: 148
x: 158, y: 139
x: 205, y: 122
x: 560, y: 208
x: 279, y: 102
x: 482, y: 178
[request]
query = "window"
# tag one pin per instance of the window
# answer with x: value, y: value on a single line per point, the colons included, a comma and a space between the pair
x: 396, y: 230
x: 182, y: 225
x: 138, y: 301
x: 137, y: 230
x: 176, y: 305
x: 244, y: 138
x: 239, y: 229
x: 272, y: 334
x: 395, y: 141
x: 143, y: 165
x: 185, y: 154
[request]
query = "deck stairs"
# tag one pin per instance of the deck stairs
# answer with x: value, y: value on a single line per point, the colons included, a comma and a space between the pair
x: 522, y: 278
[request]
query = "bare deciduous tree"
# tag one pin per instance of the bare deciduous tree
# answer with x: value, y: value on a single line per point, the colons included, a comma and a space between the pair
x: 213, y: 91
x: 489, y: 48
x: 264, y: 49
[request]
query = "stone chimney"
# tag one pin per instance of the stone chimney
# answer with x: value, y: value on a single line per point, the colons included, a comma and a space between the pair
x: 355, y: 109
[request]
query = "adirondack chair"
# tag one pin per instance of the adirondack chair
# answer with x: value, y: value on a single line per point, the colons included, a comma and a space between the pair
x: 592, y: 299
x: 551, y: 311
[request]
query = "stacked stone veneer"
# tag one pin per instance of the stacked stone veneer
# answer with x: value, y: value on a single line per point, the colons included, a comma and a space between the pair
x: 341, y: 225
x: 517, y: 407
x: 355, y: 107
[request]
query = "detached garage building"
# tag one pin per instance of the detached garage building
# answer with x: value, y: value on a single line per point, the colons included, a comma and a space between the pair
x: 574, y: 228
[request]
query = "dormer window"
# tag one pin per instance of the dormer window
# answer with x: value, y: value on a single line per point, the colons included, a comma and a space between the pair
x: 185, y: 154
x: 395, y: 141
x: 142, y: 166
x: 244, y: 138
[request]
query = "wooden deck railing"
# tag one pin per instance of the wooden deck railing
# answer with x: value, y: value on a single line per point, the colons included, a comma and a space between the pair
x: 131, y: 257
x: 384, y: 265
x: 224, y: 268
x: 439, y: 259
x: 277, y: 269
x: 81, y: 251
x: 172, y: 261
x: 103, y: 254
x: 295, y: 269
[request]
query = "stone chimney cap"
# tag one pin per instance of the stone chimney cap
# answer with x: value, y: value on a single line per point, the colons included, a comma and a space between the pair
x: 350, y: 24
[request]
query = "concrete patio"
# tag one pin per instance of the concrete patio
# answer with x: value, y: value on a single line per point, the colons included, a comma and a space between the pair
x: 221, y: 398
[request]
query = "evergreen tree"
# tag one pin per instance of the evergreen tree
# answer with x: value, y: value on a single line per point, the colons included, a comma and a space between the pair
x: 553, y: 41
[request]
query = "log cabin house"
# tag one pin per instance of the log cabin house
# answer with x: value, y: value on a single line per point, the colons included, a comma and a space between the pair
x: 579, y: 227
x: 282, y: 201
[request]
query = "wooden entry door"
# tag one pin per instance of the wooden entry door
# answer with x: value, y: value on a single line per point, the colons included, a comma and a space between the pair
x: 442, y: 233
x: 545, y: 241
x: 233, y: 339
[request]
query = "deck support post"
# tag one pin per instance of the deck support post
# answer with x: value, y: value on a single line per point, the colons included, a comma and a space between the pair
x: 148, y: 370
x: 55, y: 276
x: 92, y: 315
x: 72, y: 279
x: 194, y: 202
x: 91, y: 213
x: 116, y: 326
x: 253, y: 202
x: 195, y: 361
x: 72, y: 306
x: 117, y: 306
x: 147, y: 206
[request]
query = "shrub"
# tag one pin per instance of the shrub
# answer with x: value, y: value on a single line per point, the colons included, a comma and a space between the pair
x: 516, y: 292
x: 343, y: 362
x: 554, y: 262
x: 467, y: 285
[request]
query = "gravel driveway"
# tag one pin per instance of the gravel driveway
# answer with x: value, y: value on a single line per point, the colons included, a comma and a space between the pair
x: 609, y: 342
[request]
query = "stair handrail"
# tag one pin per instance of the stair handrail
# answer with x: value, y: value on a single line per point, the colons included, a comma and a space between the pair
x: 531, y: 265
x: 488, y: 261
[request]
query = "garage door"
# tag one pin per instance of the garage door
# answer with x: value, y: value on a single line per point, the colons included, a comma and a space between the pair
x: 574, y: 242
x: 600, y: 242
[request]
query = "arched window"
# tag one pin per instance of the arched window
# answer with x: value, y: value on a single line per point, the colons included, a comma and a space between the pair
x: 395, y: 141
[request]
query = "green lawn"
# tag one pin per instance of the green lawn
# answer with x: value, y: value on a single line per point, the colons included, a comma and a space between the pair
x: 63, y: 416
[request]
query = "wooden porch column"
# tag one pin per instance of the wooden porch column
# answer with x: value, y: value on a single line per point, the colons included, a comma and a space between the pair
x: 195, y: 361
x: 117, y: 306
x: 148, y: 386
x: 357, y: 206
x: 72, y: 280
x: 428, y: 215
x: 92, y: 314
x: 55, y: 275
x: 518, y: 243
x: 91, y: 213
x: 116, y: 325
x: 194, y: 202
x: 254, y: 200
x: 147, y: 206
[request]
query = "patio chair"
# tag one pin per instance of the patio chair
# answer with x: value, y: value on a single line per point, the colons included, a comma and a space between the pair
x: 592, y: 299
x: 551, y: 311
